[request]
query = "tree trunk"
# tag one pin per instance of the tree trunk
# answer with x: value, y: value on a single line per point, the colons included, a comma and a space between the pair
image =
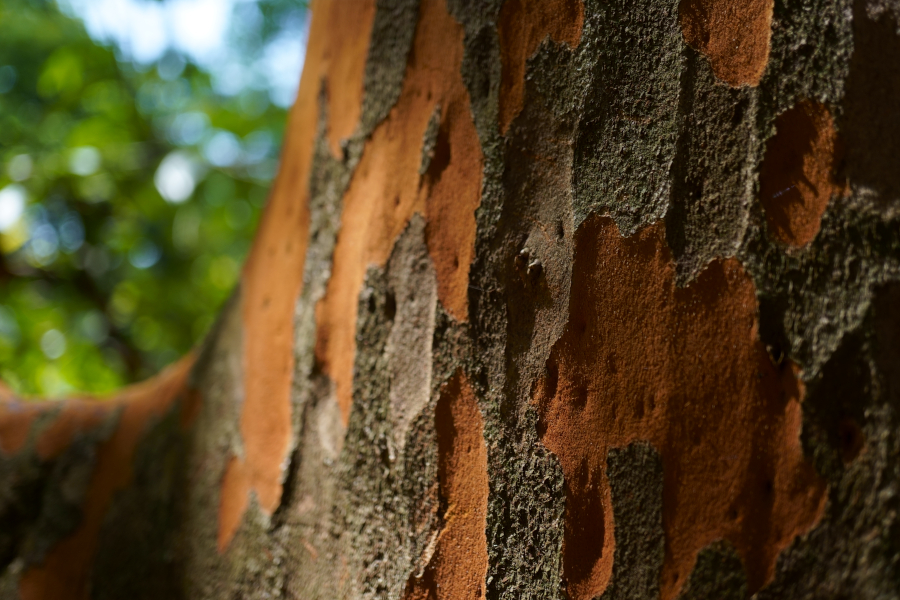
x: 551, y: 299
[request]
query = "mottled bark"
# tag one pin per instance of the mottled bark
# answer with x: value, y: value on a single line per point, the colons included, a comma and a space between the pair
x: 551, y: 299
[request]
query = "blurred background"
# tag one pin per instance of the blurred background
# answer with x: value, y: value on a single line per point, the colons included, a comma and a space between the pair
x: 138, y: 139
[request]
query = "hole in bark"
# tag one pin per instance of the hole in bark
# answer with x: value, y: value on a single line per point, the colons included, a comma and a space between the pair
x: 551, y: 382
x: 851, y: 439
x: 639, y: 410
x: 738, y: 115
x: 581, y: 397
x: 390, y: 306
x: 441, y: 158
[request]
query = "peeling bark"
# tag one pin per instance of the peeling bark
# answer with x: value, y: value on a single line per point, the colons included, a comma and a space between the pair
x: 569, y: 299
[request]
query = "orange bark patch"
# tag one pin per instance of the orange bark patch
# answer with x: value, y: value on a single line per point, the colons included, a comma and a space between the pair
x: 65, y: 573
x: 387, y: 189
x: 797, y: 178
x: 458, y: 567
x: 76, y: 416
x: 683, y: 369
x: 192, y: 402
x: 733, y: 34
x: 273, y: 274
x: 344, y: 52
x: 523, y: 25
x: 16, y: 418
x: 233, y: 501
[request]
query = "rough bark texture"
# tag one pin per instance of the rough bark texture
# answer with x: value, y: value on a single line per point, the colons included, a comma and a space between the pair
x: 552, y: 299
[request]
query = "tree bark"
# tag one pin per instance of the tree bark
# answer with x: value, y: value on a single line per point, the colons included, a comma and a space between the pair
x: 551, y: 299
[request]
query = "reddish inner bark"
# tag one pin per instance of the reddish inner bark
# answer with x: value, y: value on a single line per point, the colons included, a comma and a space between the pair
x: 387, y: 189
x: 458, y: 567
x: 797, y: 178
x: 523, y: 25
x: 641, y: 359
x: 64, y: 575
x: 733, y: 34
x: 273, y: 274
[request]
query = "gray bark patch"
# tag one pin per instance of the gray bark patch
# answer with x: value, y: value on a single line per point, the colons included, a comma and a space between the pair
x: 718, y: 573
x: 636, y: 482
x: 410, y: 305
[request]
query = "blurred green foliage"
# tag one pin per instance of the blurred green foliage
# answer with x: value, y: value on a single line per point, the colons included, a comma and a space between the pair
x: 128, y: 197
